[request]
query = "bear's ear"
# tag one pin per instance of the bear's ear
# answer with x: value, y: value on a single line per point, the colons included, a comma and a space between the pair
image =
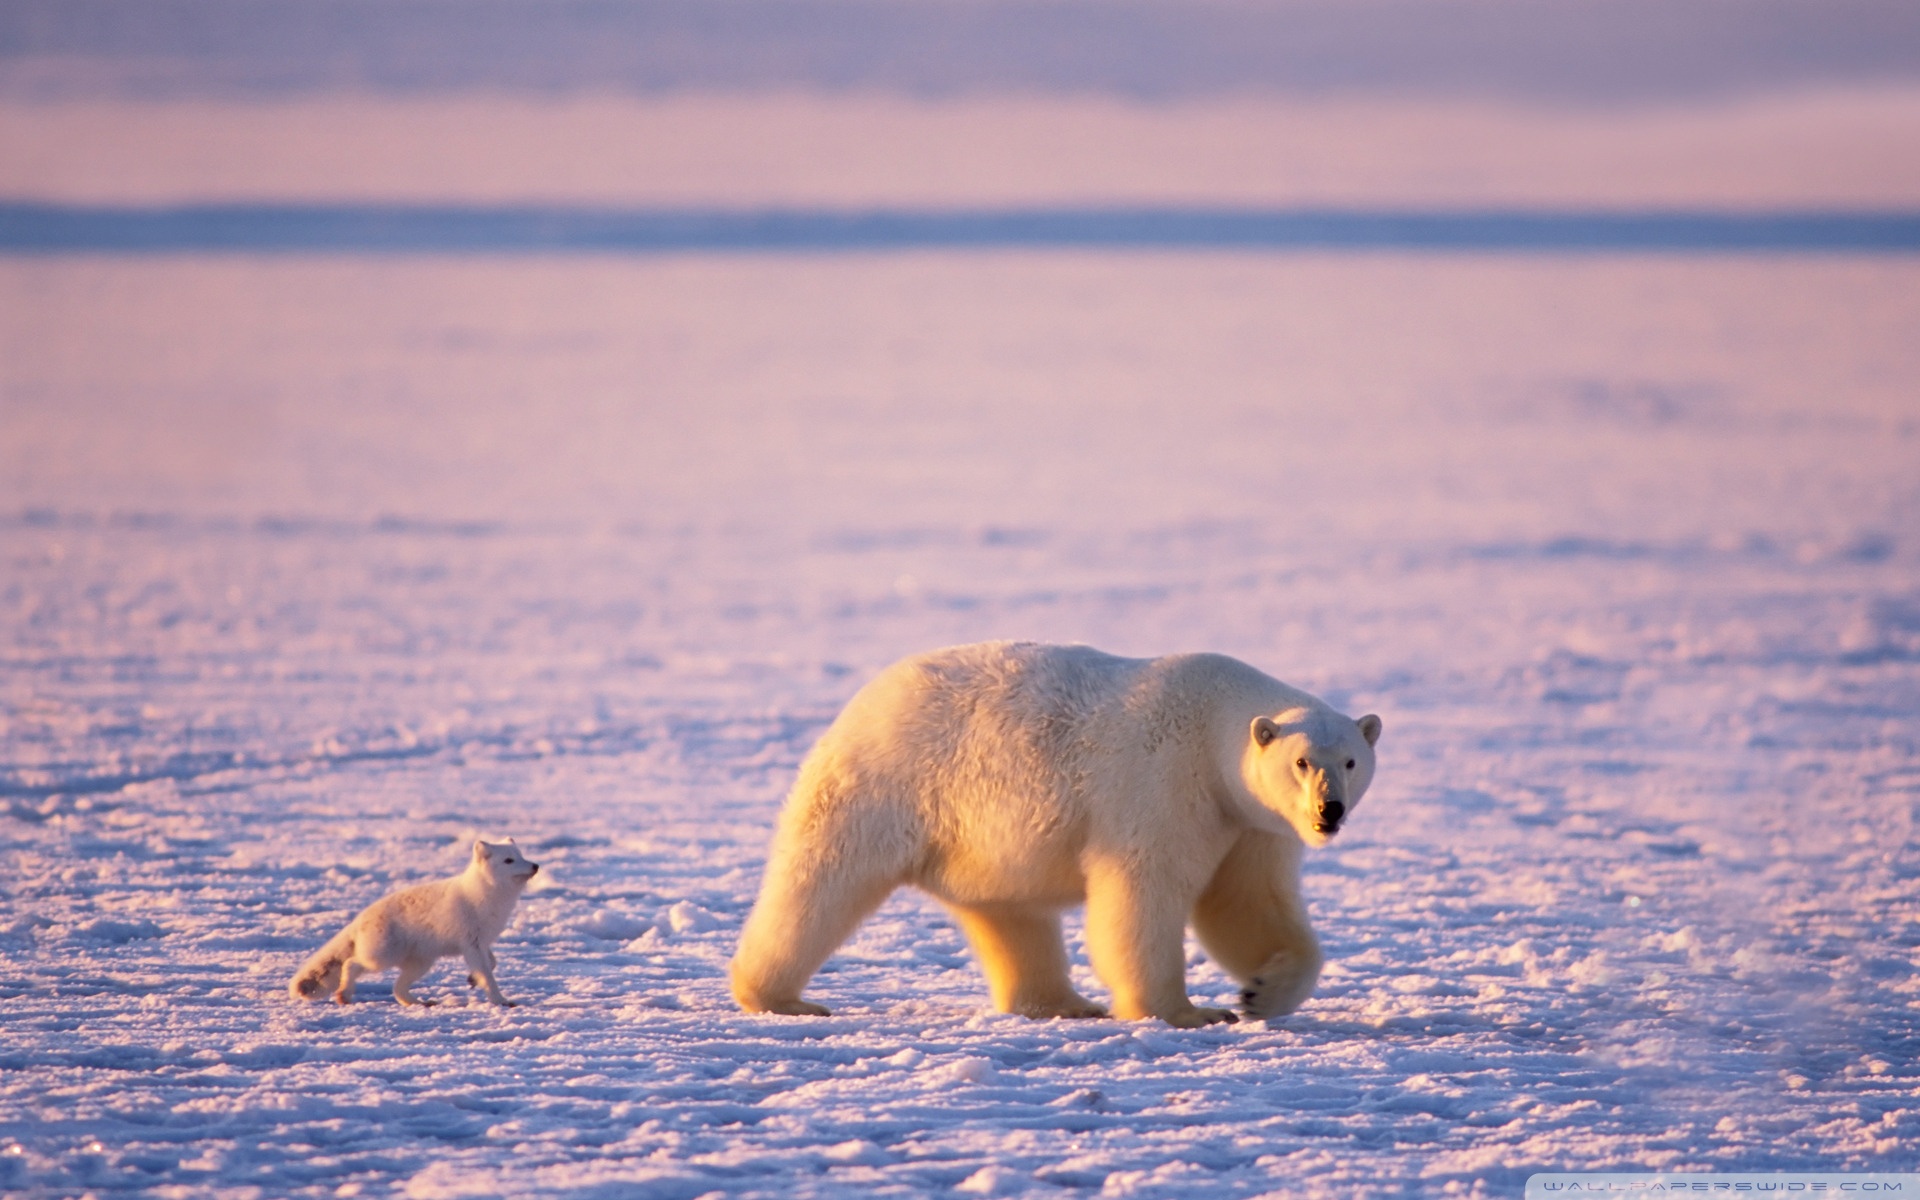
x: 1369, y: 728
x: 479, y: 849
x: 1264, y: 730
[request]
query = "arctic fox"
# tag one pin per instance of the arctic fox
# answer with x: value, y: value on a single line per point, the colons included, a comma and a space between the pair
x: 416, y: 926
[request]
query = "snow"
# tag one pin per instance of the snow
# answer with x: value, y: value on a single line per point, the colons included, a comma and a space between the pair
x: 314, y: 568
x: 1845, y: 146
x: 346, y: 562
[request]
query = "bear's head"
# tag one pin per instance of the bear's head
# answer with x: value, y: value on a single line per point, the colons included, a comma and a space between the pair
x: 1310, y: 766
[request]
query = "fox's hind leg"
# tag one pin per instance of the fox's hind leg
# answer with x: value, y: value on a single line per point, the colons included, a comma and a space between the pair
x: 410, y: 972
x: 350, y: 971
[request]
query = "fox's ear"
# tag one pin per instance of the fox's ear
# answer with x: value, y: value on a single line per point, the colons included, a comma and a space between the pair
x: 479, y: 849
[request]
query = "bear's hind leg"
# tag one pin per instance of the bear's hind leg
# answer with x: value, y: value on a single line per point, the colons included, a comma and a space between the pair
x: 811, y: 902
x: 1024, y: 960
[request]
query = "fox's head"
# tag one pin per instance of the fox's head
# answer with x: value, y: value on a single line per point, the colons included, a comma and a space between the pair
x: 503, y: 864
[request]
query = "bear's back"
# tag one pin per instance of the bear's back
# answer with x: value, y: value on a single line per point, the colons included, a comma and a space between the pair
x: 1006, y: 689
x: 1056, y: 701
x: 993, y: 722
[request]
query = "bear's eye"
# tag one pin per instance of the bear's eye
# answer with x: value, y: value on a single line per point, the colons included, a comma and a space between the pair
x: 1349, y: 764
x: 1301, y: 763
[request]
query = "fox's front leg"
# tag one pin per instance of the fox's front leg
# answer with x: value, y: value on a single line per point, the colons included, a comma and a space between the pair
x: 493, y: 964
x: 480, y: 967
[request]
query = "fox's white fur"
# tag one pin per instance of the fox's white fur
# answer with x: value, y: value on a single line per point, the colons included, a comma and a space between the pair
x: 417, y: 926
x: 1013, y: 780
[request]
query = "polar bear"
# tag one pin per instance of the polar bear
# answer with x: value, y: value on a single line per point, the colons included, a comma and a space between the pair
x: 1013, y: 780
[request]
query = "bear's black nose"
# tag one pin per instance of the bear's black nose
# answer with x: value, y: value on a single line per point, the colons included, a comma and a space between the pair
x: 1331, y: 812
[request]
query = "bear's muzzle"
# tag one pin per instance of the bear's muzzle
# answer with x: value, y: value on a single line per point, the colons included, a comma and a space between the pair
x: 1328, y: 819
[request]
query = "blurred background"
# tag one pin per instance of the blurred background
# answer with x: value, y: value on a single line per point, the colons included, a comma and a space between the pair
x: 244, y: 388
x: 964, y: 102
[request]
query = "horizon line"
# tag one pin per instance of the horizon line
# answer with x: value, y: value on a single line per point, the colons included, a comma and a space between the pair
x: 41, y: 229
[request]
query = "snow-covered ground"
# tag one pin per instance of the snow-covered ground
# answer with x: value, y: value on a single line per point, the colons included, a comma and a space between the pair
x: 314, y: 568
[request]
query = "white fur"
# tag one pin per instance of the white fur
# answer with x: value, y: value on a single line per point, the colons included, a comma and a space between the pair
x: 417, y: 926
x: 1014, y: 780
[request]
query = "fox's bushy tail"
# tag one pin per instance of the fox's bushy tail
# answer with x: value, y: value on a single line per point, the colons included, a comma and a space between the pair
x: 321, y: 975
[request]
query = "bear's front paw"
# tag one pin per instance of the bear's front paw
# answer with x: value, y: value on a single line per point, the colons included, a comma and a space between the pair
x: 1194, y: 1018
x: 1275, y: 992
x: 798, y: 1008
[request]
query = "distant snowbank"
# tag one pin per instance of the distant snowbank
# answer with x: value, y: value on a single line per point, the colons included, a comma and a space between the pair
x: 1848, y: 147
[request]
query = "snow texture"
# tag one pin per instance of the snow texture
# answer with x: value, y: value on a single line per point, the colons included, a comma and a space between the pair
x: 315, y: 578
